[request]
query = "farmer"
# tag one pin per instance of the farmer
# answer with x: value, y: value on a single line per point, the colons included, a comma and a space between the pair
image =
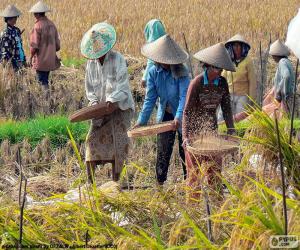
x: 44, y: 43
x: 206, y: 92
x: 167, y: 80
x: 154, y: 29
x: 106, y: 80
x: 284, y: 79
x: 11, y: 48
x: 242, y: 83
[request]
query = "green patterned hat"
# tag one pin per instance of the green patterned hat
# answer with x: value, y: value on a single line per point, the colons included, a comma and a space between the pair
x: 98, y: 40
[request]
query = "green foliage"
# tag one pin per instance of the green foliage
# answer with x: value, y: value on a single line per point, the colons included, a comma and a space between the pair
x: 53, y: 127
x: 73, y: 62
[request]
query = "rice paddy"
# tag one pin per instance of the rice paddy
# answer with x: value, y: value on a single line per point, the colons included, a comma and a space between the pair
x: 41, y: 148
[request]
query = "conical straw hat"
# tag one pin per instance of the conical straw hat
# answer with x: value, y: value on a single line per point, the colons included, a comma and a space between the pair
x: 98, y: 40
x: 165, y: 50
x: 217, y: 56
x: 279, y: 49
x: 39, y: 7
x: 237, y: 38
x: 11, y: 11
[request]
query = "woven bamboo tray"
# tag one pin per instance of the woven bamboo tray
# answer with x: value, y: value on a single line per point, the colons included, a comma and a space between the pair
x: 214, y: 145
x: 94, y: 111
x: 151, y: 129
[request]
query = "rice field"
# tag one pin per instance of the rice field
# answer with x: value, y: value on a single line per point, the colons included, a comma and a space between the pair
x: 40, y: 147
x: 204, y: 22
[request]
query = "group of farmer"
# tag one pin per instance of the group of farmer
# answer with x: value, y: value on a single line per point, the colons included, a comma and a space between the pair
x: 44, y: 43
x: 225, y: 87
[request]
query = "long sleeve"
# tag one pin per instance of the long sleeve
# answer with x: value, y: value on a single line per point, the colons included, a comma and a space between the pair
x: 226, y: 108
x: 90, y: 92
x: 121, y: 93
x: 183, y: 87
x: 150, y: 63
x: 150, y: 99
x: 282, y: 91
x: 35, y: 39
x: 7, y: 48
x: 252, y: 80
x: 57, y: 40
x: 188, y: 116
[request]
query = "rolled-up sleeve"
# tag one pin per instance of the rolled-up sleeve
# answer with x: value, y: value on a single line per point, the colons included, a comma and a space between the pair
x: 183, y: 87
x: 150, y: 99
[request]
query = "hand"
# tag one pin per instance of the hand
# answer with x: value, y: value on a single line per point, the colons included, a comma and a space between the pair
x: 110, y: 105
x: 186, y: 142
x: 136, y: 126
x: 177, y: 123
x: 143, y: 83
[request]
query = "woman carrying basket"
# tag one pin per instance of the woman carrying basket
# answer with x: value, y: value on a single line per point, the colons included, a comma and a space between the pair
x: 206, y: 92
x: 106, y: 81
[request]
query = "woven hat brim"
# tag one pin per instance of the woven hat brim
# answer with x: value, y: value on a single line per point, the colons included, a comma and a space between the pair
x: 279, y: 52
x: 98, y: 54
x: 223, y: 61
x: 238, y: 39
x: 11, y: 13
x: 39, y: 7
x: 165, y: 50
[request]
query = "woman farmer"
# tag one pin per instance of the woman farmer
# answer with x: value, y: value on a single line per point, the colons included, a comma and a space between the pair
x: 154, y: 29
x: 242, y: 83
x: 11, y: 47
x: 167, y: 81
x: 284, y: 79
x: 106, y: 80
x: 206, y: 93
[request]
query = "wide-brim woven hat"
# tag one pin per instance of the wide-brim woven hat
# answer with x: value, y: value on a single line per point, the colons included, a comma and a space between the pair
x: 98, y: 40
x: 165, y: 50
x: 39, y: 7
x: 10, y: 11
x: 279, y: 49
x: 237, y: 38
x: 217, y: 56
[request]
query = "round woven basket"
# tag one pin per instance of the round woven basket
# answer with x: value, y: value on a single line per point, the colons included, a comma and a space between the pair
x: 151, y: 129
x: 223, y: 145
x: 91, y: 112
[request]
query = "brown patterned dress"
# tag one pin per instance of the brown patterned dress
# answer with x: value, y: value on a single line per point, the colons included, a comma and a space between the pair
x: 107, y: 140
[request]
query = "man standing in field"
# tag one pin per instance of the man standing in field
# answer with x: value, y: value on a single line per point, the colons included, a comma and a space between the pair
x: 44, y: 43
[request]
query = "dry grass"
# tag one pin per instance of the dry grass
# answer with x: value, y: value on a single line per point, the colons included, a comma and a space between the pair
x: 204, y: 22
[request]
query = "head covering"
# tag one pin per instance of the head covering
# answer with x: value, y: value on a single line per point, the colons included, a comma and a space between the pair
x: 217, y: 56
x: 154, y: 29
x: 39, y: 7
x: 165, y: 50
x: 237, y: 39
x: 11, y: 11
x: 279, y: 49
x: 98, y: 40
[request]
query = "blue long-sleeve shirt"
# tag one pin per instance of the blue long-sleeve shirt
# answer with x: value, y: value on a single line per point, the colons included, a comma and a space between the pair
x: 170, y: 90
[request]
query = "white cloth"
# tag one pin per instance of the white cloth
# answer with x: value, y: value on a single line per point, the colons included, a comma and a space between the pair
x: 109, y: 82
x: 293, y: 35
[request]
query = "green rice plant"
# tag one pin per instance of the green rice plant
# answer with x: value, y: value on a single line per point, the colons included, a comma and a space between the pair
x: 34, y: 130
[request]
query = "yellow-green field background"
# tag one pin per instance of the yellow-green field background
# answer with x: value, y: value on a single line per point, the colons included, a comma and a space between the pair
x: 205, y: 22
